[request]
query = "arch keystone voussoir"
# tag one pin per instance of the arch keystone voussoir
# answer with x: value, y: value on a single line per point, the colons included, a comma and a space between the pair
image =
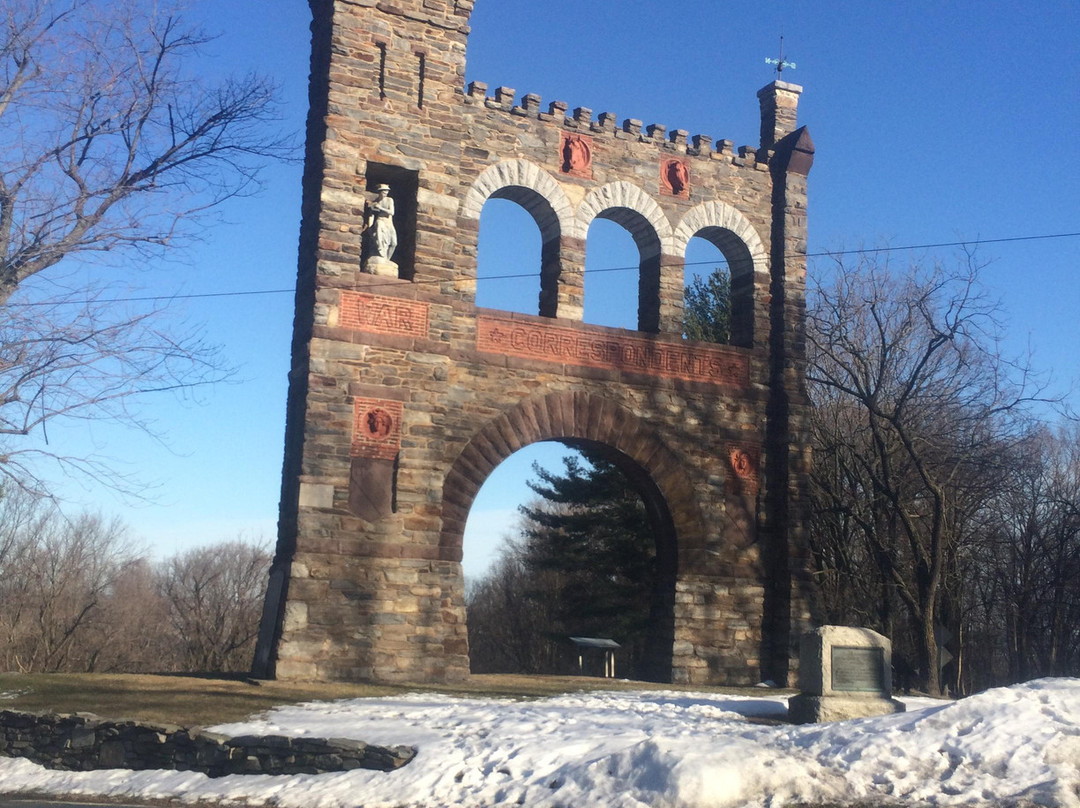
x: 520, y: 174
x: 524, y: 425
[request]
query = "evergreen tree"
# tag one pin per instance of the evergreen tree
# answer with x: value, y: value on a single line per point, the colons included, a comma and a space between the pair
x: 707, y: 307
x: 589, y: 540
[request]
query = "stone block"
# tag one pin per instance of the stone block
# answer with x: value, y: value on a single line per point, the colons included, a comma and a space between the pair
x: 844, y: 672
x: 316, y: 496
x: 112, y: 755
x: 302, y: 668
x: 83, y: 737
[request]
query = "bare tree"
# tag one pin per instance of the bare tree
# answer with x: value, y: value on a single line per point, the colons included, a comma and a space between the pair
x: 512, y: 615
x: 111, y: 147
x: 22, y: 519
x: 54, y: 581
x: 109, y: 141
x: 130, y: 631
x: 80, y: 357
x: 920, y: 410
x: 77, y: 595
x: 214, y: 598
x: 1033, y: 561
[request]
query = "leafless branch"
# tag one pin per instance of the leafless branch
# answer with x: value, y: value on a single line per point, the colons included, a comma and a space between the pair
x: 110, y: 143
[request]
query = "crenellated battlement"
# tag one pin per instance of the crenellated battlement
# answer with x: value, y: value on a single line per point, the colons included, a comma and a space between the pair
x: 677, y: 141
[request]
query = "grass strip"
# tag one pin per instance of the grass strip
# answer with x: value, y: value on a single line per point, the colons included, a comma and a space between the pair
x: 206, y: 700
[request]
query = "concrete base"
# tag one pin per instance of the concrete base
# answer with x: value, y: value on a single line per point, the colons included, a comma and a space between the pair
x: 804, y: 709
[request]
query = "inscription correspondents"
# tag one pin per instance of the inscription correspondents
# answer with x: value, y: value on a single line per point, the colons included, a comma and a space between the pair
x: 383, y: 315
x: 572, y: 346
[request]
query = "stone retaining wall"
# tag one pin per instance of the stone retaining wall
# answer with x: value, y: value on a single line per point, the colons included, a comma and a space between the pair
x: 82, y: 742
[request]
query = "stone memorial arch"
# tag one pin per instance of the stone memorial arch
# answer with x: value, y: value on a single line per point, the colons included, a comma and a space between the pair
x: 404, y: 396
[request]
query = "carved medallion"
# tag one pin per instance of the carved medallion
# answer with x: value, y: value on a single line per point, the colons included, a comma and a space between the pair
x: 740, y: 461
x: 675, y: 178
x: 576, y: 155
x: 744, y: 463
x: 376, y: 428
x: 377, y: 423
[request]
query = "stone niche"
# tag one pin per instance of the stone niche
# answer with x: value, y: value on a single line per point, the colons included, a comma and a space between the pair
x: 843, y: 673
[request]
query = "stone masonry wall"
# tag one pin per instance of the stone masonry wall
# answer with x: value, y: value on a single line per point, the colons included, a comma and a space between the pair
x: 404, y: 396
x: 82, y: 742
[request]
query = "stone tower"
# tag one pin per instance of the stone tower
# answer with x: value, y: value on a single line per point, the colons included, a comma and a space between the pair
x: 404, y: 396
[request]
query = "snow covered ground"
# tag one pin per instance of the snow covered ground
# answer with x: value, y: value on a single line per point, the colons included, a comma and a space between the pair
x: 1016, y: 745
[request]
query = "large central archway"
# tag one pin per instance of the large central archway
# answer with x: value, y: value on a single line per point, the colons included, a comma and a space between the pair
x: 573, y: 418
x: 602, y: 426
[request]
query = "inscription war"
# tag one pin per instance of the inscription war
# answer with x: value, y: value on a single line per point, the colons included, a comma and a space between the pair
x: 573, y: 346
x: 383, y: 315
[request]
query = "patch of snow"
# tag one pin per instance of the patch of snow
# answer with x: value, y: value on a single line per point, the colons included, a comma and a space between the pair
x: 649, y: 748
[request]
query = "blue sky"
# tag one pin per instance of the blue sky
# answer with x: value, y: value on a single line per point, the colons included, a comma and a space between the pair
x: 933, y: 121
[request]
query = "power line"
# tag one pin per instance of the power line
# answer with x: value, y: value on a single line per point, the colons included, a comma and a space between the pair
x: 516, y: 276
x: 972, y: 242
x: 156, y: 298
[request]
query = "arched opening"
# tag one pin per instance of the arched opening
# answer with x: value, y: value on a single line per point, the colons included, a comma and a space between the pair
x: 518, y: 240
x: 622, y: 271
x: 707, y: 293
x: 494, y: 516
x: 508, y: 257
x: 588, y: 421
x: 581, y: 544
x: 740, y: 266
x: 611, y: 260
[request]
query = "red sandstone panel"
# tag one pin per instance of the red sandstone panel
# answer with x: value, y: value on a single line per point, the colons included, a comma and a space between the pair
x: 376, y: 428
x: 383, y: 315
x: 675, y: 177
x: 572, y: 346
x: 576, y: 153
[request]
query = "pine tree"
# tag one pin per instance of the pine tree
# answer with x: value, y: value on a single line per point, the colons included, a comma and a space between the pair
x: 707, y: 307
x: 589, y: 539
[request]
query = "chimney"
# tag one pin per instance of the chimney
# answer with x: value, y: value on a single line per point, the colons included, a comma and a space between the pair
x: 779, y: 105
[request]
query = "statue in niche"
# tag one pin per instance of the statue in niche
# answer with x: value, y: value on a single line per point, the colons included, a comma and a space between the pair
x: 379, y: 234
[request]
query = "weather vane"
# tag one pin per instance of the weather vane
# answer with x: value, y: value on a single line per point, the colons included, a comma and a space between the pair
x: 780, y: 63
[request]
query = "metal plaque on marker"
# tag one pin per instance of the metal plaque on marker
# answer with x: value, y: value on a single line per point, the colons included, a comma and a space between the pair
x: 858, y: 669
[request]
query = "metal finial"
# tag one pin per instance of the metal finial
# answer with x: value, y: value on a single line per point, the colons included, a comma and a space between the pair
x: 780, y: 63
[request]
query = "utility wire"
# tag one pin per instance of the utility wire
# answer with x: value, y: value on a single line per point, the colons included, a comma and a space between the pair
x: 514, y: 276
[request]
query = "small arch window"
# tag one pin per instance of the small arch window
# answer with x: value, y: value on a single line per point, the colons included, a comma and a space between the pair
x: 707, y: 293
x: 517, y: 261
x: 622, y: 271
x: 714, y: 248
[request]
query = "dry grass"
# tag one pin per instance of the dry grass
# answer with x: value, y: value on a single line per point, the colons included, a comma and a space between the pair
x: 207, y: 700
x: 183, y: 700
